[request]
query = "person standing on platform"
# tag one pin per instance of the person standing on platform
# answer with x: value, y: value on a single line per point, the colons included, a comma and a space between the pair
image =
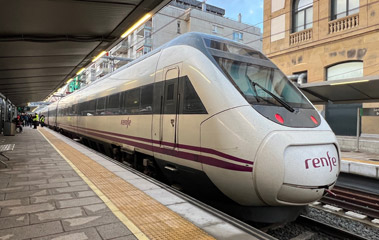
x: 30, y: 119
x: 35, y: 120
x: 42, y: 120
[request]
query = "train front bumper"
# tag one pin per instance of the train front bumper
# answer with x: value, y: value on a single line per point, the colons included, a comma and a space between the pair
x: 296, y: 167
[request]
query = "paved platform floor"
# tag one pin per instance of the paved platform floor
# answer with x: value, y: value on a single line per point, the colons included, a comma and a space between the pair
x: 362, y: 157
x: 58, y: 189
x: 42, y: 197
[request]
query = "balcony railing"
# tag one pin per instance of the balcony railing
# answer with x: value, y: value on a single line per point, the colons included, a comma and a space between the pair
x: 301, y: 36
x: 343, y: 24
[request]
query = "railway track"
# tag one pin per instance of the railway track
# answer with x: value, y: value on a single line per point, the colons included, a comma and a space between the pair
x: 326, y: 228
x: 354, y: 200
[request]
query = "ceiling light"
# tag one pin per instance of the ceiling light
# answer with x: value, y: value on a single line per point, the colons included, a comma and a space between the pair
x: 69, y: 80
x: 136, y: 25
x: 99, y: 56
x: 80, y: 71
x: 341, y: 83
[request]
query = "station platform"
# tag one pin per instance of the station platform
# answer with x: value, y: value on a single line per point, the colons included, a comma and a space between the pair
x: 360, y: 163
x: 55, y: 188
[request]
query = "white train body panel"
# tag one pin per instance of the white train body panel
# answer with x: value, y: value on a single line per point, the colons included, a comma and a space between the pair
x: 239, y: 146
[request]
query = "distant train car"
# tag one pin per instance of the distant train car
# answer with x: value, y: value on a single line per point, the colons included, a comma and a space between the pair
x: 210, y: 114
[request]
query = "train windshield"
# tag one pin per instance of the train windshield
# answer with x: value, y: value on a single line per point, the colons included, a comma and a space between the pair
x: 262, y: 85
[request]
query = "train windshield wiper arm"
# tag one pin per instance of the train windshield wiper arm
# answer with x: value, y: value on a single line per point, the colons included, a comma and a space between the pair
x: 284, y: 104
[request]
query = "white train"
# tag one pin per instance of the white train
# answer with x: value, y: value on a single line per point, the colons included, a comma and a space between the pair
x: 213, y: 116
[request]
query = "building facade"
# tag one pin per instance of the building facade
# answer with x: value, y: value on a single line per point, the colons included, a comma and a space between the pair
x: 182, y: 16
x: 178, y: 17
x: 326, y: 40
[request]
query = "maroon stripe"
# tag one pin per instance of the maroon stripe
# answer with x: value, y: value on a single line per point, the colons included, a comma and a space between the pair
x: 183, y: 146
x: 223, y: 164
x: 184, y: 155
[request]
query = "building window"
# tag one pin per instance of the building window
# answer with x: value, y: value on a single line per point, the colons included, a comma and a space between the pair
x: 344, y: 71
x: 302, y: 15
x: 178, y: 27
x: 237, y: 36
x: 217, y: 29
x: 147, y: 33
x: 214, y: 29
x: 146, y: 49
x: 343, y: 8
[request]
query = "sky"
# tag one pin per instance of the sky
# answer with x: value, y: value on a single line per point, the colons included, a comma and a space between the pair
x: 251, y: 10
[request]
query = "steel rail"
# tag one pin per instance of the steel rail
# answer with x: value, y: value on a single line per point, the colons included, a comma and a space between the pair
x: 357, y: 198
x: 327, y: 228
x: 368, y: 197
x: 351, y: 206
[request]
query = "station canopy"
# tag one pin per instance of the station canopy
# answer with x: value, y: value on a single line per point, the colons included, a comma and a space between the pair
x: 43, y: 43
x: 353, y: 90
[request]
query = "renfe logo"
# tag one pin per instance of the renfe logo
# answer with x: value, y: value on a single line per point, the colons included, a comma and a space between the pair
x: 126, y: 122
x: 321, y: 162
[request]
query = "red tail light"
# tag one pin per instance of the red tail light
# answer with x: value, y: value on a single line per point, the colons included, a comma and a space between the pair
x: 279, y: 118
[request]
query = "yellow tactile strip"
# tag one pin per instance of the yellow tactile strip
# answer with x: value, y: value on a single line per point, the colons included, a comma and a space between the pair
x: 144, y: 213
x: 359, y: 160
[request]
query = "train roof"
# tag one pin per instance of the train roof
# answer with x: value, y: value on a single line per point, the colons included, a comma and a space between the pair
x: 194, y: 39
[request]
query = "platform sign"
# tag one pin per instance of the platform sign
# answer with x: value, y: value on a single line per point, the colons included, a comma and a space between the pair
x: 37, y: 104
x: 370, y: 112
x: 23, y: 109
x: 74, y: 84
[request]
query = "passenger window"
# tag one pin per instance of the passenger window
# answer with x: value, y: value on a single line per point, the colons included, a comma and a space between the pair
x: 91, y: 108
x: 191, y: 101
x: 74, y: 110
x: 100, y: 106
x: 113, y: 104
x: 132, y: 101
x: 170, y: 92
x: 170, y: 99
x: 146, y: 99
x: 83, y: 108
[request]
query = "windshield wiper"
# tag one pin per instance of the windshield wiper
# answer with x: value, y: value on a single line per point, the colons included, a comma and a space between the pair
x: 255, y: 91
x: 284, y: 104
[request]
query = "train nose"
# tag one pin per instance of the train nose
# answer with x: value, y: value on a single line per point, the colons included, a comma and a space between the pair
x: 293, y: 167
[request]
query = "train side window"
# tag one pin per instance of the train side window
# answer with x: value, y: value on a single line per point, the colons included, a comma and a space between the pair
x: 146, y: 99
x: 132, y: 101
x: 113, y: 104
x: 191, y: 102
x: 83, y: 108
x: 170, y: 99
x: 123, y: 102
x: 100, y: 106
x: 91, y: 108
x: 80, y: 108
x: 74, y: 110
x: 170, y: 92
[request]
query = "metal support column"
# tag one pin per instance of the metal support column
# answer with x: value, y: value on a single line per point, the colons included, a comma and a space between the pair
x: 358, y: 128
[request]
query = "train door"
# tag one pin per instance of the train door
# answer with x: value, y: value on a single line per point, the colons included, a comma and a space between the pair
x: 169, y: 111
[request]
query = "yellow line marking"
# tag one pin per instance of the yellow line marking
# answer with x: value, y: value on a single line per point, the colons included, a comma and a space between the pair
x: 133, y: 228
x: 360, y: 161
x: 143, y: 215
